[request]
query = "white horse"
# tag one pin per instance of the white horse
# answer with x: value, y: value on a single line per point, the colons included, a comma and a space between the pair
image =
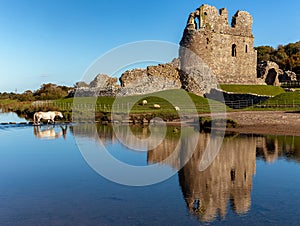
x: 50, y: 116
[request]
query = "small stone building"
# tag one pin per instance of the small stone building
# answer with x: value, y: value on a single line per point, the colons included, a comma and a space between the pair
x: 227, y: 50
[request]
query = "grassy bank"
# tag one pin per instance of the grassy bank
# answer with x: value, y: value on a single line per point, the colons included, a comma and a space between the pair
x: 254, y: 89
x: 289, y: 101
x: 166, y: 99
x: 14, y: 105
x: 284, y: 101
x: 288, y: 98
x: 102, y: 106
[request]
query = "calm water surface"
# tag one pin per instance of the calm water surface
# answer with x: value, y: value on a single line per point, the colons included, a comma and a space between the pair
x: 10, y: 117
x: 254, y: 180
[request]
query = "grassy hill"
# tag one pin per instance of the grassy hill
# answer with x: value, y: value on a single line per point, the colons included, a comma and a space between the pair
x: 166, y: 99
x: 285, y: 98
x: 254, y: 89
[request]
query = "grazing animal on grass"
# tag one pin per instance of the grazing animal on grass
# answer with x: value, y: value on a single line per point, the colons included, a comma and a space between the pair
x: 144, y: 102
x: 177, y: 108
x: 156, y: 106
x: 49, y: 116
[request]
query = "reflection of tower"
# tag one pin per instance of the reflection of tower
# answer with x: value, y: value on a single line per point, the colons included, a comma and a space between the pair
x: 104, y: 133
x: 176, y: 149
x: 268, y: 148
x: 229, y: 177
x: 161, y: 153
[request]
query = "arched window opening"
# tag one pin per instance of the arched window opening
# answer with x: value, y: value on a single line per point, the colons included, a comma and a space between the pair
x: 197, y: 23
x: 232, y: 174
x: 196, y: 204
x: 233, y: 51
x: 246, y: 49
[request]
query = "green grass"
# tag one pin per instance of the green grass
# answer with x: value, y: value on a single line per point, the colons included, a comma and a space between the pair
x: 254, y: 89
x: 166, y: 99
x: 7, y: 101
x: 13, y: 105
x: 285, y: 101
x: 284, y: 98
x: 88, y: 100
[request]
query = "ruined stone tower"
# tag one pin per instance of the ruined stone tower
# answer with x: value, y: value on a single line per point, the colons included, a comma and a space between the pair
x: 227, y: 50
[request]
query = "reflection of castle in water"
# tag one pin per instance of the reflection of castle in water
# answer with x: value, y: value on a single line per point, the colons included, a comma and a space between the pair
x: 229, y: 177
x: 227, y: 180
x: 93, y: 131
x: 270, y: 148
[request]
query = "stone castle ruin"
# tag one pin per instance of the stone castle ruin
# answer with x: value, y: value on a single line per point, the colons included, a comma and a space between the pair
x: 227, y: 50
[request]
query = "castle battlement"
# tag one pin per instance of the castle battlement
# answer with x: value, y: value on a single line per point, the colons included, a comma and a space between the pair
x: 208, y: 18
x: 227, y: 49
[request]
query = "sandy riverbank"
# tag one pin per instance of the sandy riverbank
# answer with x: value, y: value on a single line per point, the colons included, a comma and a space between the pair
x: 266, y: 122
x: 260, y: 122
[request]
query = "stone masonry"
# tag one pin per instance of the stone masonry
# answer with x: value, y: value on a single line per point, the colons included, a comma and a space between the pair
x: 211, y: 52
x: 152, y: 79
x: 227, y: 50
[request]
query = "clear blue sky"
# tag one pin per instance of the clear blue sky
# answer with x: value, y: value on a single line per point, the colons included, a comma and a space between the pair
x: 55, y: 41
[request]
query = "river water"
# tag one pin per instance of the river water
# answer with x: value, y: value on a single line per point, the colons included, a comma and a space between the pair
x: 6, y: 117
x: 47, y: 178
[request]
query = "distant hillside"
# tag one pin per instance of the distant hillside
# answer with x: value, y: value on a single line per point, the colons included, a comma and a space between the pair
x: 286, y: 56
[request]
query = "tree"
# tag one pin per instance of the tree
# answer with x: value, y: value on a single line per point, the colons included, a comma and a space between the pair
x: 286, y: 56
x: 26, y: 96
x: 264, y: 53
x: 51, y: 92
x: 280, y: 58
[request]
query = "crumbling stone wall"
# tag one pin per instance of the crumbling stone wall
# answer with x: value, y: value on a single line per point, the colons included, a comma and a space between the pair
x: 135, y: 82
x: 150, y: 80
x: 227, y: 50
x: 159, y: 77
x: 269, y: 73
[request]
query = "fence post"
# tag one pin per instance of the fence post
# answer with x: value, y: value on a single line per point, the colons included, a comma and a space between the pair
x: 293, y: 103
x: 285, y: 103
